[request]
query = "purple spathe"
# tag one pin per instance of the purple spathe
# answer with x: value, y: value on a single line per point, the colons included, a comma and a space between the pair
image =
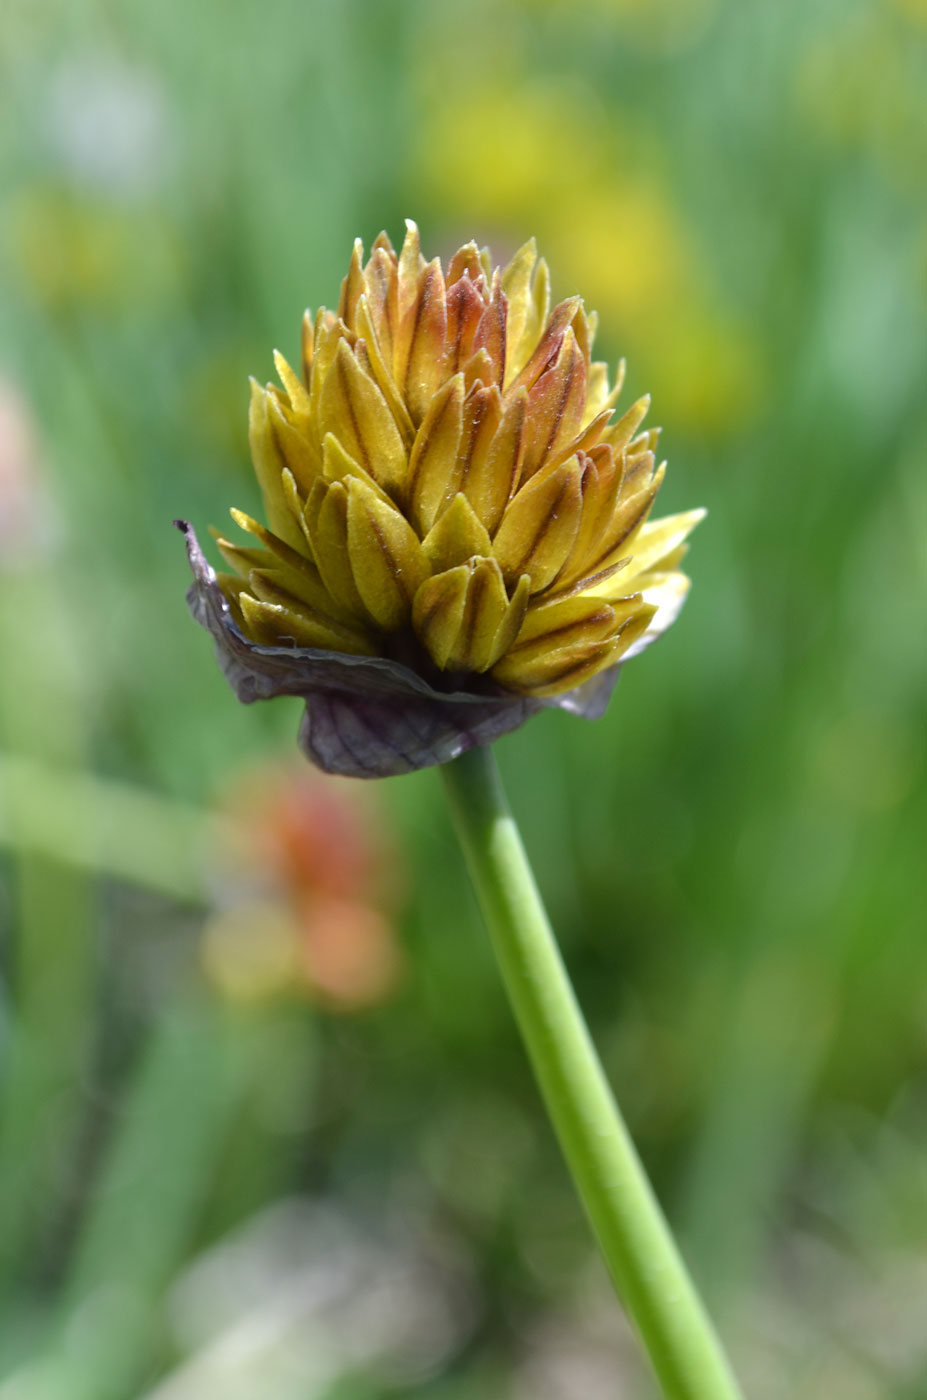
x: 367, y: 716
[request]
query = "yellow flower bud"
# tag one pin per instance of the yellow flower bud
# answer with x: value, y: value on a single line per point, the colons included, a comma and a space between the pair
x: 448, y: 495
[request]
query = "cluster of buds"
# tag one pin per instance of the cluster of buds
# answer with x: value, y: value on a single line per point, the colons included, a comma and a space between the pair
x: 458, y: 523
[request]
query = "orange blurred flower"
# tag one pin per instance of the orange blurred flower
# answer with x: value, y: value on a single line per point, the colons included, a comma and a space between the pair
x: 317, y: 882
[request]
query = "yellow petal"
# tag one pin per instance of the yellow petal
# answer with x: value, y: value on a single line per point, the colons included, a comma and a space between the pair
x: 639, y: 460
x: 601, y: 482
x: 420, y: 350
x: 307, y: 347
x: 548, y: 346
x: 487, y: 608
x: 482, y: 416
x: 658, y: 538
x: 327, y: 526
x: 516, y: 283
x: 465, y: 309
x: 554, y: 674
x: 381, y: 370
x: 411, y: 266
x: 478, y: 369
x: 242, y: 558
x: 295, y: 448
x: 555, y: 406
x: 433, y: 466
x: 274, y: 624
x: 456, y: 536
x: 493, y: 472
x: 382, y: 280
x: 621, y: 434
x: 293, y: 558
x: 540, y: 525
x: 574, y: 622
x: 353, y: 285
x: 352, y: 407
x: 270, y: 586
x: 297, y: 507
x: 543, y: 673
x: 464, y: 616
x: 491, y: 332
x: 387, y: 559
x: 630, y: 513
x: 268, y: 465
x: 465, y: 263
x: 338, y: 465
x: 296, y: 390
x: 438, y: 610
x: 328, y: 335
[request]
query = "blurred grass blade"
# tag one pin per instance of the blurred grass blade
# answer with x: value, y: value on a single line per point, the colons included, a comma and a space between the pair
x: 109, y: 828
x: 160, y: 1170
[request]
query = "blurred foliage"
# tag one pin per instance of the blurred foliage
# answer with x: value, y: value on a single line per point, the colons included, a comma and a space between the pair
x: 268, y: 1197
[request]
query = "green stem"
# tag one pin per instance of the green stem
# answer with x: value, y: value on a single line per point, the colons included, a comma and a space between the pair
x: 642, y: 1257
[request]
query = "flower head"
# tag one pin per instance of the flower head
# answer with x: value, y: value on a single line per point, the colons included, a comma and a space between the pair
x: 458, y: 524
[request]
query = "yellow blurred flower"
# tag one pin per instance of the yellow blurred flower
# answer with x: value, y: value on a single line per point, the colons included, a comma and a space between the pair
x: 630, y: 248
x: 446, y: 487
x: 82, y: 250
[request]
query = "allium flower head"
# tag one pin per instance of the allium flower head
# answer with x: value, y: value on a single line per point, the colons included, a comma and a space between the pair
x: 458, y: 524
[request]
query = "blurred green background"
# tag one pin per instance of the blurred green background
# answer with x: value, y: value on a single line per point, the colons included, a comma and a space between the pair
x: 265, y: 1129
